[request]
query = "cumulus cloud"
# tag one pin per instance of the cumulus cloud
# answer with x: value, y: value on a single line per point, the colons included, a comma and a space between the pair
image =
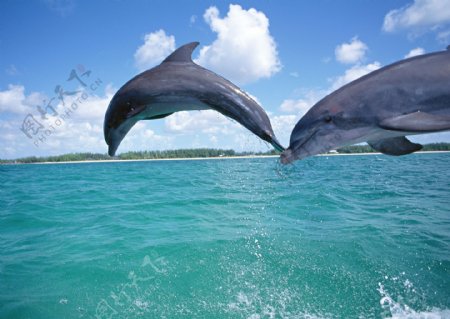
x: 207, y: 121
x: 415, y: 52
x: 300, y: 106
x: 14, y: 100
x: 354, y: 73
x: 157, y: 45
x: 201, y: 128
x: 63, y: 129
x: 244, y: 50
x: 351, y: 52
x: 418, y: 15
x: 291, y: 106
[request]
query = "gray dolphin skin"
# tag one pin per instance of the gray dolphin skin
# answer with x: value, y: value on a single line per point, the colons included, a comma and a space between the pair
x: 405, y: 98
x: 179, y: 84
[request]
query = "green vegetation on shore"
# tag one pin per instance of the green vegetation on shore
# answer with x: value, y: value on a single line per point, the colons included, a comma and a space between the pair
x: 180, y: 153
x: 189, y: 153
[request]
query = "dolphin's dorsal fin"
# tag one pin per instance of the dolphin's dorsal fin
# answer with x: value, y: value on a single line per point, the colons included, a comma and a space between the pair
x: 395, y: 146
x: 183, y: 53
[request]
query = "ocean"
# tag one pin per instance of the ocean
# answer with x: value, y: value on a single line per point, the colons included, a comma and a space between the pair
x: 328, y: 237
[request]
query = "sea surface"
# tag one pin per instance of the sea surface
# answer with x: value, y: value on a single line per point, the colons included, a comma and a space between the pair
x: 328, y: 237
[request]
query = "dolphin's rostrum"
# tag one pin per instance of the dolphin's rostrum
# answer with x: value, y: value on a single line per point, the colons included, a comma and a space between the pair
x: 405, y: 98
x: 179, y: 84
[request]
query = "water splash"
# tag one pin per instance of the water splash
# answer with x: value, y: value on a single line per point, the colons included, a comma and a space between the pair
x: 396, y: 309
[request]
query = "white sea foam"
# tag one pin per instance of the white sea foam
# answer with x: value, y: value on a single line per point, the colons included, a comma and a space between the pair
x: 399, y: 310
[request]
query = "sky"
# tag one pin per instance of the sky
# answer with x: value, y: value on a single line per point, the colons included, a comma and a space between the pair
x: 61, y: 61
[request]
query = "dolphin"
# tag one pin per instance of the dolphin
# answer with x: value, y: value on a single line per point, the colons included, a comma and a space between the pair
x: 408, y: 97
x: 179, y: 84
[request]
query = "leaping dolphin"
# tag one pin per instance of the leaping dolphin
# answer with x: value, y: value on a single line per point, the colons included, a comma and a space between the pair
x: 179, y: 84
x: 405, y: 98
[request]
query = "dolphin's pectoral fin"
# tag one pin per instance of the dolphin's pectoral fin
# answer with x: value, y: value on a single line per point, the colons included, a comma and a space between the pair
x: 417, y: 122
x: 156, y: 117
x: 395, y: 146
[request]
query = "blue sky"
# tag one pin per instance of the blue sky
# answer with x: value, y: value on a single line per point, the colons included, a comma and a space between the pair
x: 287, y: 54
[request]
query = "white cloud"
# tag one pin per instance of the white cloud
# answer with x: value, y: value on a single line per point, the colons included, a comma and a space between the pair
x: 354, y: 73
x: 203, y: 128
x: 351, y: 52
x: 431, y: 138
x: 300, y: 106
x: 291, y: 106
x: 80, y: 131
x: 13, y: 100
x: 419, y: 14
x: 207, y: 121
x: 283, y: 125
x: 244, y: 50
x: 157, y: 46
x: 415, y: 52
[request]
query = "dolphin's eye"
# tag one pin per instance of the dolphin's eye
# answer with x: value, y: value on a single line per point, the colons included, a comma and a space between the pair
x: 328, y: 119
x: 131, y: 107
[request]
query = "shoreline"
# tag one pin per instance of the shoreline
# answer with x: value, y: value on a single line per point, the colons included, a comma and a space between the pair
x: 205, y: 158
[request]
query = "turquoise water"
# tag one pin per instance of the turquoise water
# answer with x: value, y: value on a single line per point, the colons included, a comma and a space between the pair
x: 330, y: 237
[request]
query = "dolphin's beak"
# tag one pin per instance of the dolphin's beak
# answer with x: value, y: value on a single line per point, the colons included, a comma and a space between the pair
x: 287, y: 157
x: 114, y: 136
x: 295, y: 152
x: 309, y: 139
x: 113, y: 144
x: 300, y: 145
x: 277, y: 145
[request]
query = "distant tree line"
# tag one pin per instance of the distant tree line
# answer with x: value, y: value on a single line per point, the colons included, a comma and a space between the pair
x: 189, y: 153
x: 355, y: 149
x: 436, y: 147
x: 180, y: 153
x: 71, y: 157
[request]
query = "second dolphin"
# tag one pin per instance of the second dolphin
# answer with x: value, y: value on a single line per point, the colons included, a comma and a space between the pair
x: 405, y: 98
